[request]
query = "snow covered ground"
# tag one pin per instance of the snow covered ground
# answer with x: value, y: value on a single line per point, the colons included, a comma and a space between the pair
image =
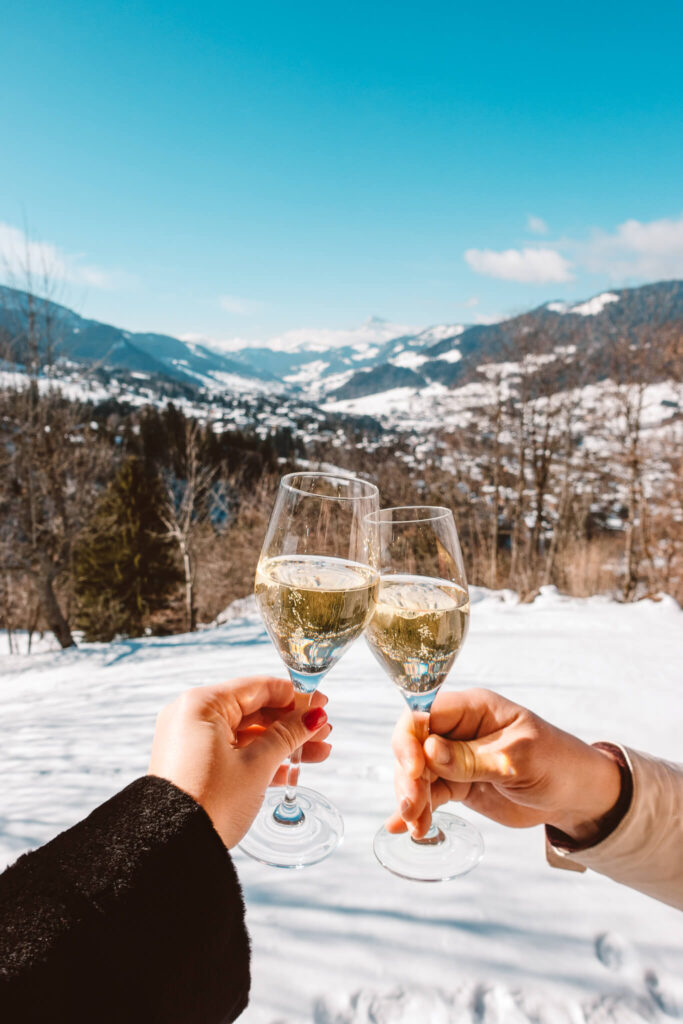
x: 345, y: 942
x: 436, y: 407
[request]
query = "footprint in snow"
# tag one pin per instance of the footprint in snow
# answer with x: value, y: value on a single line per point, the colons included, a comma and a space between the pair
x: 495, y: 1004
x: 618, y: 955
x: 667, y: 993
x: 615, y: 952
x: 625, y: 1008
x: 399, y: 1006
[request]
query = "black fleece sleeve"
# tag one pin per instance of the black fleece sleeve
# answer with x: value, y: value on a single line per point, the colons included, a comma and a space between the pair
x: 135, y: 914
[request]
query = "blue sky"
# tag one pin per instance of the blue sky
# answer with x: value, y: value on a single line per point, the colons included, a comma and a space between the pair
x: 235, y: 170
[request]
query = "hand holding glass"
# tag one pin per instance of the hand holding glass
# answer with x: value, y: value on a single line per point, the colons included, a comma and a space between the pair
x: 316, y: 585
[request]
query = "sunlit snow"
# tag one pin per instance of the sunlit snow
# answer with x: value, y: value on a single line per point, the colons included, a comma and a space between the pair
x: 595, y: 305
x: 345, y: 942
x: 409, y: 359
x: 557, y: 307
x: 452, y: 356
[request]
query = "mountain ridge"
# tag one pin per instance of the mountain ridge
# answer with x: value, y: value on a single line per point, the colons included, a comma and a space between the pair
x: 443, y: 354
x: 97, y: 344
x: 584, y: 325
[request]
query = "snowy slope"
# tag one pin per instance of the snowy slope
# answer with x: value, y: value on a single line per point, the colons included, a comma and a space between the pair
x: 435, y: 407
x: 400, y: 375
x: 344, y: 942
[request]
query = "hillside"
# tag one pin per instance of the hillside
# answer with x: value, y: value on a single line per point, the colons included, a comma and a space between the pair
x: 330, y: 387
x: 72, y: 338
x: 373, y: 360
x: 453, y: 360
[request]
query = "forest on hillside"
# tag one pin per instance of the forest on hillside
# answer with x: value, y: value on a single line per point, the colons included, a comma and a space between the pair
x: 117, y: 520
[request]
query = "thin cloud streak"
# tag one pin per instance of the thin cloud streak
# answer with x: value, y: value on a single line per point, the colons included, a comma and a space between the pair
x: 24, y: 260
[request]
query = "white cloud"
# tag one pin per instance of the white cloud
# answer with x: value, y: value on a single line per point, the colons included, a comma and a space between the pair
x: 24, y: 261
x: 234, y: 304
x: 536, y: 225
x: 529, y: 266
x: 472, y: 301
x: 636, y: 250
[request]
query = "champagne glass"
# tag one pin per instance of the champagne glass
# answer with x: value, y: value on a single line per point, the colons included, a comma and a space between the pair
x: 416, y: 632
x: 316, y: 585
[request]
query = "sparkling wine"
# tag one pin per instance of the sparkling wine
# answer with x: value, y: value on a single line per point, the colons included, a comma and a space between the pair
x: 418, y: 627
x: 313, y: 607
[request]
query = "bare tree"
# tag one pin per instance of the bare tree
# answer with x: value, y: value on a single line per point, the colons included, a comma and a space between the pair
x: 51, y: 456
x: 227, y: 554
x: 185, y: 509
x: 53, y: 461
x: 634, y: 364
x: 483, y: 442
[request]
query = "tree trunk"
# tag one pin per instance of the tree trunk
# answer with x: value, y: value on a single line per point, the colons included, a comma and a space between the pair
x: 630, y: 555
x: 32, y: 624
x: 534, y: 543
x: 6, y: 611
x: 632, y: 412
x: 494, y: 541
x: 494, y: 522
x: 630, y: 568
x: 190, y: 609
x: 53, y: 613
x: 558, y: 538
x: 518, y: 516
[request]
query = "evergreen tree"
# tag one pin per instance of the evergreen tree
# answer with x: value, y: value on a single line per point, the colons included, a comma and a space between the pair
x: 124, y: 566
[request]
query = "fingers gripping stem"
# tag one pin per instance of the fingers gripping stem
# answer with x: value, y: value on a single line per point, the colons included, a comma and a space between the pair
x: 433, y: 836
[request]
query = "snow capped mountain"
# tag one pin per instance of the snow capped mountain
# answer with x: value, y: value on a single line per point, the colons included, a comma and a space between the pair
x: 25, y: 320
x: 374, y: 331
x: 320, y: 361
x: 335, y: 369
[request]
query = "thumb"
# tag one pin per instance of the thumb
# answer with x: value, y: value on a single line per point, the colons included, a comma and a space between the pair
x: 474, y: 760
x: 285, y: 735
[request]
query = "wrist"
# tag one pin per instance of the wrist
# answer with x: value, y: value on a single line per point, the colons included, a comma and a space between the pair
x: 596, y: 794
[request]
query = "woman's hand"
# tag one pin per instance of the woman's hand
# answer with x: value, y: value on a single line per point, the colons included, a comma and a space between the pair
x: 501, y: 760
x: 225, y: 744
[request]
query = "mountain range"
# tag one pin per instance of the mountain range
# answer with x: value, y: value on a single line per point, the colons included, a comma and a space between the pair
x: 371, y: 362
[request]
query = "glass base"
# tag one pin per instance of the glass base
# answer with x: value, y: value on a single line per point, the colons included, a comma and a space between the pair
x: 299, y: 843
x: 457, y: 848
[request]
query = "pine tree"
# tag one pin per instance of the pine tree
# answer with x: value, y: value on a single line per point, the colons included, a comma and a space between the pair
x: 124, y: 566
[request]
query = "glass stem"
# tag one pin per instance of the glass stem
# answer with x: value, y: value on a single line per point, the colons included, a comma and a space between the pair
x: 288, y: 811
x: 292, y: 776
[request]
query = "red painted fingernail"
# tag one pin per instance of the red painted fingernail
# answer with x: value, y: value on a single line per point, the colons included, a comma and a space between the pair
x: 314, y: 718
x: 290, y: 706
